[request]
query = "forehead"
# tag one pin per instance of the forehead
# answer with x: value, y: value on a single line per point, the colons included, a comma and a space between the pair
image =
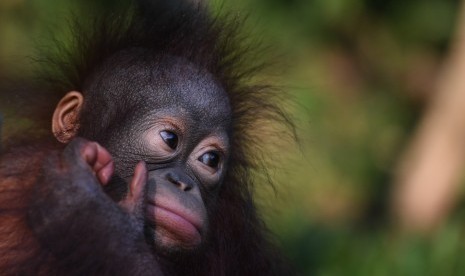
x: 180, y: 85
x: 144, y: 85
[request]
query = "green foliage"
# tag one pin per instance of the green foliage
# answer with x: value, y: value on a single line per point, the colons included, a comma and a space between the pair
x: 351, y: 65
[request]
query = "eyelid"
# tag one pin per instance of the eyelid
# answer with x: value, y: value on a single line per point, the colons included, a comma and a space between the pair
x: 169, y: 126
x: 216, y: 147
x: 216, y: 150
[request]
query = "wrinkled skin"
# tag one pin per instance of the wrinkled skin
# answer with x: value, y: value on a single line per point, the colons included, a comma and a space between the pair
x: 180, y: 127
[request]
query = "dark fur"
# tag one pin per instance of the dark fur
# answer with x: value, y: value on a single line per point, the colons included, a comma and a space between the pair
x: 240, y: 242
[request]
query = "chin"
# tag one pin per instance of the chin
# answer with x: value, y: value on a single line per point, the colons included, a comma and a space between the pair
x: 169, y: 245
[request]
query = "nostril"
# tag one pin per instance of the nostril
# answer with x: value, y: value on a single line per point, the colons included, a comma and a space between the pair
x: 173, y: 178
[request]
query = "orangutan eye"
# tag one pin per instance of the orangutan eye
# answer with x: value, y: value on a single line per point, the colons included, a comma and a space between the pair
x: 211, y: 159
x: 169, y: 138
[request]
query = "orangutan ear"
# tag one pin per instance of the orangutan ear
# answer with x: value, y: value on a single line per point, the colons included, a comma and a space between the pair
x: 65, y: 121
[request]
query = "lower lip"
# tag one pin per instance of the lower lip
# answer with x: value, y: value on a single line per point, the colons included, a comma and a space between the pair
x: 180, y: 228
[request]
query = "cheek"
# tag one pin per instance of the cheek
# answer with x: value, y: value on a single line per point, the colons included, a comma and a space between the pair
x: 210, y: 180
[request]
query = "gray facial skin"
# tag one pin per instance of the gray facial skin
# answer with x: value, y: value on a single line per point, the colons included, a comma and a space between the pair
x: 179, y: 100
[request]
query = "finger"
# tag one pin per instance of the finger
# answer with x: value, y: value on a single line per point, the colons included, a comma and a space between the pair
x: 99, y: 159
x: 89, y: 153
x: 137, y: 185
x: 105, y: 173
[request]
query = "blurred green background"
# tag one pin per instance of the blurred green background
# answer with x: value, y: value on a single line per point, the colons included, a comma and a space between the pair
x: 361, y: 72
